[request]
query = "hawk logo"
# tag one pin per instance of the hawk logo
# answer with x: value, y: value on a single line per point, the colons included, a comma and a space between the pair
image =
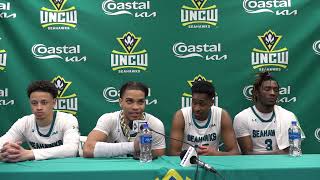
x: 199, y: 16
x: 129, y: 61
x: 5, y: 9
x: 269, y: 59
x: 277, y: 7
x: 136, y: 9
x: 3, y: 59
x: 186, y: 98
x: 69, y: 103
x: 58, y: 18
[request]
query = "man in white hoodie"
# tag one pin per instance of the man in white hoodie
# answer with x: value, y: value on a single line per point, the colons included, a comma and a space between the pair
x: 49, y: 134
x: 263, y: 128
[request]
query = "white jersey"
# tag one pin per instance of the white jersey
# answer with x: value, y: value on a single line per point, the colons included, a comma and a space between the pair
x: 58, y: 140
x: 206, y: 133
x: 263, y: 127
x: 109, y: 124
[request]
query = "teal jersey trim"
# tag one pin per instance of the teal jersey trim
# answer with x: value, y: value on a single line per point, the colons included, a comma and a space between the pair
x: 206, y: 125
x: 51, y: 127
x: 263, y: 120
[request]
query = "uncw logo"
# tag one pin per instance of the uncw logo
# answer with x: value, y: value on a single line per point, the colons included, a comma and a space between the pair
x: 269, y: 59
x: 3, y: 59
x: 68, y: 103
x: 129, y: 61
x: 199, y: 16
x: 186, y: 98
x: 58, y: 18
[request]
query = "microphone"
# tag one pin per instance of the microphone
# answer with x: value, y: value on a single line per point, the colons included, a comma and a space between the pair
x: 184, y: 142
x: 195, y: 160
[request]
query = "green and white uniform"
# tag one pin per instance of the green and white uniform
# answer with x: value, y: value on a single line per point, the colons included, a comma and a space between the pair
x: 206, y: 133
x: 58, y: 140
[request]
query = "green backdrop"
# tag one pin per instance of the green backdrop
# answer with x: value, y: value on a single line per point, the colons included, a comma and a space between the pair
x: 89, y: 48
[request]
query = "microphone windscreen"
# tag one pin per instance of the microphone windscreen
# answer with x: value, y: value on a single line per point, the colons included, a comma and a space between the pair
x: 193, y: 160
x: 182, y: 154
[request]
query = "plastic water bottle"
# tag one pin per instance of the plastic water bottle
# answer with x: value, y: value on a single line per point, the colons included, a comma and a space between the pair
x: 145, y: 144
x: 294, y: 140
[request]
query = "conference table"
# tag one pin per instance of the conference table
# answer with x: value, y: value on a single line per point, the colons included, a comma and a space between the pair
x: 244, y: 167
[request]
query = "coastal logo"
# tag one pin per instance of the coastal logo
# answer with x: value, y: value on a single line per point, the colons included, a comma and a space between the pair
x: 5, y: 100
x: 65, y: 103
x: 186, y: 98
x: 277, y: 7
x: 129, y: 61
x: 269, y: 59
x: 136, y: 9
x: 5, y: 11
x: 112, y: 94
x: 206, y: 51
x: 66, y: 53
x: 317, y: 134
x: 199, y: 16
x: 58, y: 18
x: 284, y: 94
x: 316, y: 47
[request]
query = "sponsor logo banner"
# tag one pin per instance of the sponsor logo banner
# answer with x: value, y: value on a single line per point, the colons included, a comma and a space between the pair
x: 316, y: 47
x: 6, y: 12
x: 200, y: 15
x: 269, y: 58
x: 65, y: 103
x: 66, y: 53
x: 112, y: 94
x: 58, y: 18
x: 129, y: 60
x: 136, y: 9
x: 5, y: 99
x: 277, y: 7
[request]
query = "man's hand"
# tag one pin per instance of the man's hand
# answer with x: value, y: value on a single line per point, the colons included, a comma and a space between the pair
x: 206, y: 151
x: 14, y: 152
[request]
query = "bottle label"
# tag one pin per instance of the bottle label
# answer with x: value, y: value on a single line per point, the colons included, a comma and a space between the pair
x: 146, y: 139
x: 294, y: 135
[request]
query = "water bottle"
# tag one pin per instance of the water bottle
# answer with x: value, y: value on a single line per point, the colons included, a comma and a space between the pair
x: 294, y: 140
x: 145, y: 144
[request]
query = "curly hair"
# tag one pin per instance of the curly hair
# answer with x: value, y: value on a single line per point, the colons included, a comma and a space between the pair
x: 260, y: 78
x: 42, y: 86
x: 203, y: 87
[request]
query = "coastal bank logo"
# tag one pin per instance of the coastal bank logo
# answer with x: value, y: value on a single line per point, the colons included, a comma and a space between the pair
x: 136, y: 9
x: 186, y: 98
x: 5, y: 100
x: 5, y: 11
x: 199, y: 15
x: 317, y: 134
x: 112, y: 95
x: 58, y: 18
x: 207, y: 51
x: 316, y: 47
x: 65, y: 103
x: 129, y: 61
x: 277, y: 7
x: 269, y: 59
x: 285, y: 95
x: 66, y: 53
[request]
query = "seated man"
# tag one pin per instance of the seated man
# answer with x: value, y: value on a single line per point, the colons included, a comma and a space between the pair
x: 49, y: 134
x: 263, y: 128
x: 111, y: 136
x: 202, y: 125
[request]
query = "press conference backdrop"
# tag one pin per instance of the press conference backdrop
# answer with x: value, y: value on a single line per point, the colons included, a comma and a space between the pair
x: 89, y: 48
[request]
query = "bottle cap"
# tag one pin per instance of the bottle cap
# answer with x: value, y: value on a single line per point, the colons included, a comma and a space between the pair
x: 294, y: 122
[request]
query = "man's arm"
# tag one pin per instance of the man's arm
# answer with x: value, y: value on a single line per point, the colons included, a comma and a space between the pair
x: 177, y: 132
x: 93, y: 137
x: 228, y: 136
x: 246, y: 147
